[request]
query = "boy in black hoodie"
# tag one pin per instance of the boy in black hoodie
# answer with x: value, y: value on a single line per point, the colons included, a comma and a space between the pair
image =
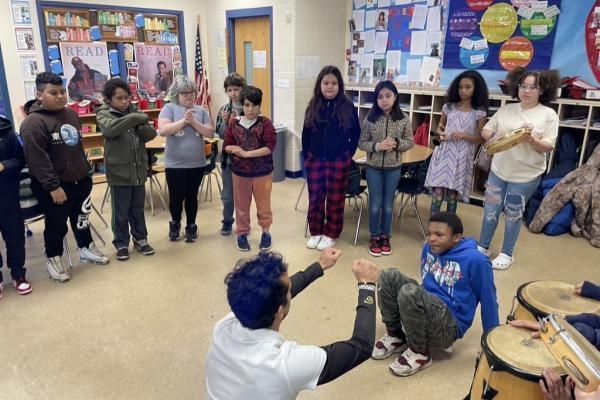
x: 11, y: 221
x: 60, y: 173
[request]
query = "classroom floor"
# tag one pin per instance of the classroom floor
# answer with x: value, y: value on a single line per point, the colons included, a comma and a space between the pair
x: 140, y: 329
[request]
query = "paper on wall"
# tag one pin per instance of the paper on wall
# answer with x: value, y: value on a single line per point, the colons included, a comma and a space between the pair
x: 359, y: 3
x: 393, y: 58
x: 429, y: 70
x: 419, y: 16
x: 480, y: 44
x: 371, y: 19
x: 551, y: 11
x: 369, y: 41
x: 418, y: 43
x: 384, y: 3
x: 381, y: 39
x: 525, y: 12
x: 433, y: 38
x: 434, y: 19
x: 359, y: 19
x: 539, y: 30
x: 413, y: 69
x: 539, y: 5
x: 466, y: 43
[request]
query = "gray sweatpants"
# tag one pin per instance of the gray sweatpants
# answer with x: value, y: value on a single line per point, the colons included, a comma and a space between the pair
x: 427, y: 322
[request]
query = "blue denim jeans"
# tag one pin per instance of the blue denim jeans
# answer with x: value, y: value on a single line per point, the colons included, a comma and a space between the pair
x: 227, y: 195
x: 382, y: 187
x: 510, y: 197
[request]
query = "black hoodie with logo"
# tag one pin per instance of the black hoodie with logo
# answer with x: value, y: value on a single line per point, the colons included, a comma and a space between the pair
x: 11, y: 157
x: 52, y: 144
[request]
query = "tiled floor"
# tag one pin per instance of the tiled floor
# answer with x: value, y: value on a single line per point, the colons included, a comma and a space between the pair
x: 140, y: 329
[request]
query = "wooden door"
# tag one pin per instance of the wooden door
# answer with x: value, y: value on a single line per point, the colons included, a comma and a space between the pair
x: 253, y: 35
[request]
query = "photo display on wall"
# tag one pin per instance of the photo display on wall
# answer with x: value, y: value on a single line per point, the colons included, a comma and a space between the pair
x: 398, y: 40
x: 500, y: 35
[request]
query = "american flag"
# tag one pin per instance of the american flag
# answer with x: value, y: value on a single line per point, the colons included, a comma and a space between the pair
x: 201, y: 77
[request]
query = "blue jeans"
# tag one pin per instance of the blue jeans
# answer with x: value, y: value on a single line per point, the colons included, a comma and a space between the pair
x: 227, y: 194
x: 510, y: 197
x: 382, y: 187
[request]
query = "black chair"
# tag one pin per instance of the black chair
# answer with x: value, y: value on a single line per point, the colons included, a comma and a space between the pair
x: 211, y: 169
x: 412, y: 184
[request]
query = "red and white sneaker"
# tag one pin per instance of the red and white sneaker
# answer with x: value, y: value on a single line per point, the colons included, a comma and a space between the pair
x: 410, y: 362
x: 22, y: 285
x: 388, y: 345
x: 375, y: 246
x: 386, y: 247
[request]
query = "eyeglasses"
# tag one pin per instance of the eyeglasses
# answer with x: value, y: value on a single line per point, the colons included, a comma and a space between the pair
x: 193, y: 93
x: 527, y: 88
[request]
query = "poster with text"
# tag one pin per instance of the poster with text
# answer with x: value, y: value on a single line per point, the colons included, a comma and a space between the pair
x: 85, y: 68
x: 499, y: 35
x: 155, y: 62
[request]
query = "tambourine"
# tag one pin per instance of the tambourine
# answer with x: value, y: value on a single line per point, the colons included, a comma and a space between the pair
x: 508, y: 140
x: 578, y: 357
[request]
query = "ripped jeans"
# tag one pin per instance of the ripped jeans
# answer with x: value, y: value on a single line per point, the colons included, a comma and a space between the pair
x: 510, y: 197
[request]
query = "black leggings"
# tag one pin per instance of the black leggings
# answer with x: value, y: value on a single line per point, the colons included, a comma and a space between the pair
x: 183, y: 186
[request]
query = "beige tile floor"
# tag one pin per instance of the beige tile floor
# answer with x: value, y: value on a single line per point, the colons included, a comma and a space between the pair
x: 140, y: 329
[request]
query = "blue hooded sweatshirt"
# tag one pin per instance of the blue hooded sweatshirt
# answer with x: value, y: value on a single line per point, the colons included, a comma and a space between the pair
x: 462, y: 277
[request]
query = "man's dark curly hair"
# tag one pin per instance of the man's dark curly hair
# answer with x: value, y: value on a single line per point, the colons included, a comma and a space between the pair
x: 111, y: 86
x: 255, y: 289
x: 547, y: 81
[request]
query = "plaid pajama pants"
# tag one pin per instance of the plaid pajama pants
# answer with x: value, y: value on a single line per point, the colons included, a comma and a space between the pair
x: 326, y: 181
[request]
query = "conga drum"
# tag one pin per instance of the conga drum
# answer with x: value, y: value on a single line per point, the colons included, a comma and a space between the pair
x: 538, y: 299
x: 577, y: 356
x: 511, y: 365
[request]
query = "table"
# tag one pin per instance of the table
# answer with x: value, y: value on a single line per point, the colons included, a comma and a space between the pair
x: 414, y: 155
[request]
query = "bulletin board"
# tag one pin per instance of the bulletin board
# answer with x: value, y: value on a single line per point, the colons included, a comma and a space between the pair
x: 501, y: 34
x: 397, y: 40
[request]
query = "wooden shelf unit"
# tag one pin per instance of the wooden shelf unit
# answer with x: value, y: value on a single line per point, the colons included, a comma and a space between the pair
x: 362, y: 96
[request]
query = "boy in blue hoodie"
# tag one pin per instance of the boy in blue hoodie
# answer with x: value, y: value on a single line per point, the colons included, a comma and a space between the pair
x: 431, y: 316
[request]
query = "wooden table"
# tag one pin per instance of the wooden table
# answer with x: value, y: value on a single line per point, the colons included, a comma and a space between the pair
x: 414, y: 155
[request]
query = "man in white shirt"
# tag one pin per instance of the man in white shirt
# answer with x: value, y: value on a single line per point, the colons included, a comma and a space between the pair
x: 248, y: 358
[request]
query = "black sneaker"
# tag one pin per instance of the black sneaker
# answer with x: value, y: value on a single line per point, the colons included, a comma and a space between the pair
x: 143, y: 247
x: 191, y: 233
x: 265, y: 241
x: 123, y: 254
x: 174, y: 230
x: 242, y: 243
x: 226, y: 229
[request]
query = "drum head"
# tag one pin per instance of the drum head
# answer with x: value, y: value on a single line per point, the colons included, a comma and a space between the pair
x: 508, y: 140
x: 549, y: 297
x: 514, y: 350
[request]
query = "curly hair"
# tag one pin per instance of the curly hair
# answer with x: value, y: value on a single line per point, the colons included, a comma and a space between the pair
x: 234, y: 79
x: 342, y: 106
x: 46, y: 78
x: 480, y: 98
x: 256, y: 290
x: 111, y: 86
x: 376, y: 111
x: 450, y: 219
x: 547, y: 81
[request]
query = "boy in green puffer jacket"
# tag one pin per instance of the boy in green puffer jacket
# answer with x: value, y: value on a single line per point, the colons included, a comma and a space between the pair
x: 126, y: 132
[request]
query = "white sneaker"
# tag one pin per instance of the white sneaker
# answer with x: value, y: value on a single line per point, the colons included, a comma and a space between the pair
x: 410, y: 362
x: 56, y: 270
x: 448, y: 349
x: 502, y: 261
x: 483, y: 250
x: 388, y: 345
x: 325, y: 243
x: 92, y: 254
x: 313, y: 242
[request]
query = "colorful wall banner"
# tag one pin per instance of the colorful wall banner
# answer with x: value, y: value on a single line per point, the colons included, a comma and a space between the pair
x: 517, y: 33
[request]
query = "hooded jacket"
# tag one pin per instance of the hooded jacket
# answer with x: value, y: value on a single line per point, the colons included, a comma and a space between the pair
x: 52, y: 144
x: 125, y: 154
x: 462, y: 277
x: 11, y: 157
